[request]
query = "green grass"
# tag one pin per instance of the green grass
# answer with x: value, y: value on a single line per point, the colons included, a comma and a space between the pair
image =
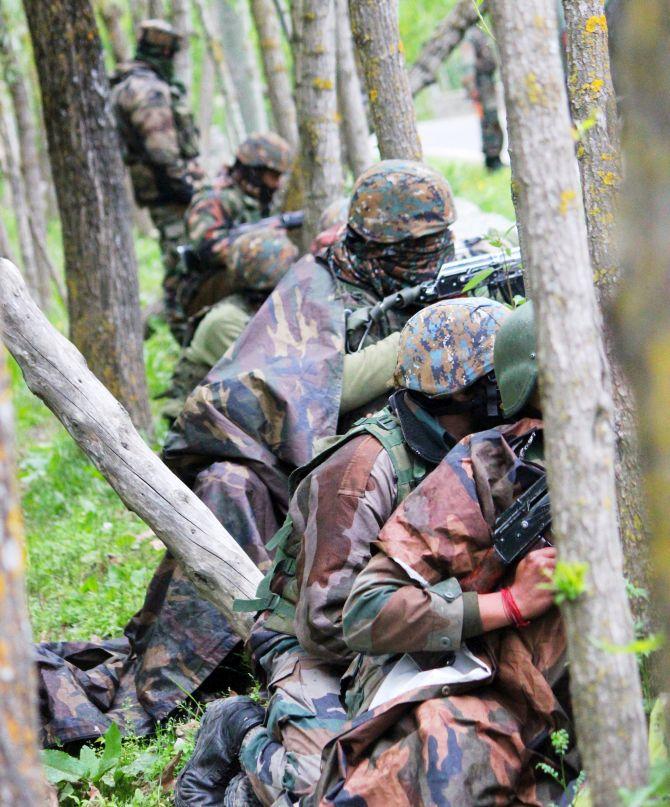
x: 491, y: 191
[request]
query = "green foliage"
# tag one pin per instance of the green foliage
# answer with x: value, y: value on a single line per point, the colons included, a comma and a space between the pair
x: 568, y: 581
x: 656, y: 792
x: 640, y: 647
x: 560, y: 743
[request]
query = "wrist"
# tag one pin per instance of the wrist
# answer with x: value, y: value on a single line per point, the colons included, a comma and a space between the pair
x: 512, y: 609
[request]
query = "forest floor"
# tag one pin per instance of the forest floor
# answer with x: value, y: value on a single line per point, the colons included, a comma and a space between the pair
x: 90, y: 560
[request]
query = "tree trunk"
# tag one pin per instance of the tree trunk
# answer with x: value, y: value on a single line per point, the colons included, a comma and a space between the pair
x: 605, y: 685
x: 350, y: 100
x: 374, y: 24
x: 594, y: 113
x: 156, y: 9
x: 21, y: 777
x: 235, y: 26
x: 277, y: 75
x: 9, y: 163
x: 643, y: 67
x: 317, y: 114
x: 5, y: 249
x: 205, y: 109
x: 28, y: 150
x: 181, y: 20
x: 447, y: 37
x: 56, y: 372
x: 100, y: 266
x: 234, y: 122
x: 111, y: 13
x: 139, y: 10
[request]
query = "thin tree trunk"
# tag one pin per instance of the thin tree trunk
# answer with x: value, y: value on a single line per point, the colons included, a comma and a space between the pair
x: 576, y: 398
x: 181, y: 20
x: 317, y: 114
x: 374, y: 24
x: 350, y: 99
x: 111, y: 13
x: 139, y: 10
x: 205, y: 108
x: 235, y: 26
x: 27, y: 141
x: 156, y: 9
x: 643, y: 317
x: 9, y: 162
x: 447, y: 37
x: 21, y: 777
x: 5, y: 249
x: 56, y: 372
x: 100, y: 266
x: 594, y: 112
x: 276, y: 70
x: 234, y: 122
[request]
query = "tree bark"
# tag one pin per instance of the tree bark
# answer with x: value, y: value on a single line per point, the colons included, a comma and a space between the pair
x: 643, y: 318
x: 234, y: 122
x: 350, y: 101
x: 5, y: 249
x: 276, y: 70
x: 181, y: 20
x: 235, y: 26
x: 374, y: 24
x: 579, y: 445
x: 21, y: 778
x: 594, y: 112
x: 57, y: 373
x: 111, y: 13
x: 156, y: 9
x: 9, y: 163
x: 447, y: 37
x: 205, y: 108
x: 28, y: 150
x: 100, y: 266
x: 317, y: 114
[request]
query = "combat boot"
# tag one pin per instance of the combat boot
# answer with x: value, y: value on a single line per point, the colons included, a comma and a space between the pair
x: 240, y: 793
x: 215, y: 760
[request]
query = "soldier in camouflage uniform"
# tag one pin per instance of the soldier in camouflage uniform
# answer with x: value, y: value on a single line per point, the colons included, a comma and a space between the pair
x: 160, y: 143
x: 345, y: 494
x: 257, y: 260
x: 240, y: 194
x: 471, y: 729
x: 480, y: 82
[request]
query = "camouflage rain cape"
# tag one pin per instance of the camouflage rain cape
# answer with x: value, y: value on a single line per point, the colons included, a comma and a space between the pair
x: 473, y: 743
x: 258, y: 414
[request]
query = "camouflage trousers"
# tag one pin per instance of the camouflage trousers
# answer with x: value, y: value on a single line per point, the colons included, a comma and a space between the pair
x: 169, y: 220
x: 492, y: 135
x: 283, y: 757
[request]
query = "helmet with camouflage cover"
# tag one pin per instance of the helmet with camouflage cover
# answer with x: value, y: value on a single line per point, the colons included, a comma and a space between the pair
x: 396, y: 200
x: 158, y: 35
x: 447, y: 346
x: 267, y: 150
x: 260, y: 258
x: 515, y: 360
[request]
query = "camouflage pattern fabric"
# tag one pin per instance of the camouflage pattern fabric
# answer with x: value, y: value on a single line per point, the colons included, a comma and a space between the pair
x: 426, y: 746
x: 169, y: 221
x: 265, y: 150
x: 485, y: 65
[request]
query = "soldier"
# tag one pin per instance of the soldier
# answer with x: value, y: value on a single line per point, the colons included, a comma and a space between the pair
x: 240, y: 194
x: 480, y: 83
x: 465, y: 718
x: 346, y: 493
x: 258, y: 260
x: 159, y: 141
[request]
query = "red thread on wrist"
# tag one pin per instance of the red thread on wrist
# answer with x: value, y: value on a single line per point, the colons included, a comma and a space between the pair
x: 512, y: 609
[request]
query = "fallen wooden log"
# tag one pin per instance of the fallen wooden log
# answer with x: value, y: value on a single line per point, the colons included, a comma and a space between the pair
x: 56, y: 372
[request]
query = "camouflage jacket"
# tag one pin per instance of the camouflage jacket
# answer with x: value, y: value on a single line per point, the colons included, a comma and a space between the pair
x: 213, y: 211
x: 158, y: 136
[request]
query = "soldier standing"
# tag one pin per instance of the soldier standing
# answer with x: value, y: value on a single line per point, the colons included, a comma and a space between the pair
x: 160, y: 143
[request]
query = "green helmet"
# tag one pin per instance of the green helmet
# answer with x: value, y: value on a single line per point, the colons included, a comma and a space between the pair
x: 260, y: 258
x: 158, y: 35
x: 447, y: 346
x: 399, y: 199
x: 515, y: 360
x: 267, y: 150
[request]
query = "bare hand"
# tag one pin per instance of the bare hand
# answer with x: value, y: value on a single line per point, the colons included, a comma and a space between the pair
x: 533, y: 571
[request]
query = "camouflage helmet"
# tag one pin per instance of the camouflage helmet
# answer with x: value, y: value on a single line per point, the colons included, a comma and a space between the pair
x: 337, y: 212
x: 267, y: 150
x: 515, y: 360
x: 159, y: 34
x: 447, y: 346
x: 260, y: 258
x: 398, y: 199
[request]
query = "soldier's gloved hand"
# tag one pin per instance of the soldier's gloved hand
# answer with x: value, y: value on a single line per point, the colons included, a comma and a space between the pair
x: 533, y: 571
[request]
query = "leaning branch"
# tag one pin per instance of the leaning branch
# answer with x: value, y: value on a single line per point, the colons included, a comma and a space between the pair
x: 57, y: 373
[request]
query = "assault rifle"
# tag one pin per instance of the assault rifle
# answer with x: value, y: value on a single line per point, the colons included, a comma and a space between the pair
x: 517, y: 531
x: 499, y: 272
